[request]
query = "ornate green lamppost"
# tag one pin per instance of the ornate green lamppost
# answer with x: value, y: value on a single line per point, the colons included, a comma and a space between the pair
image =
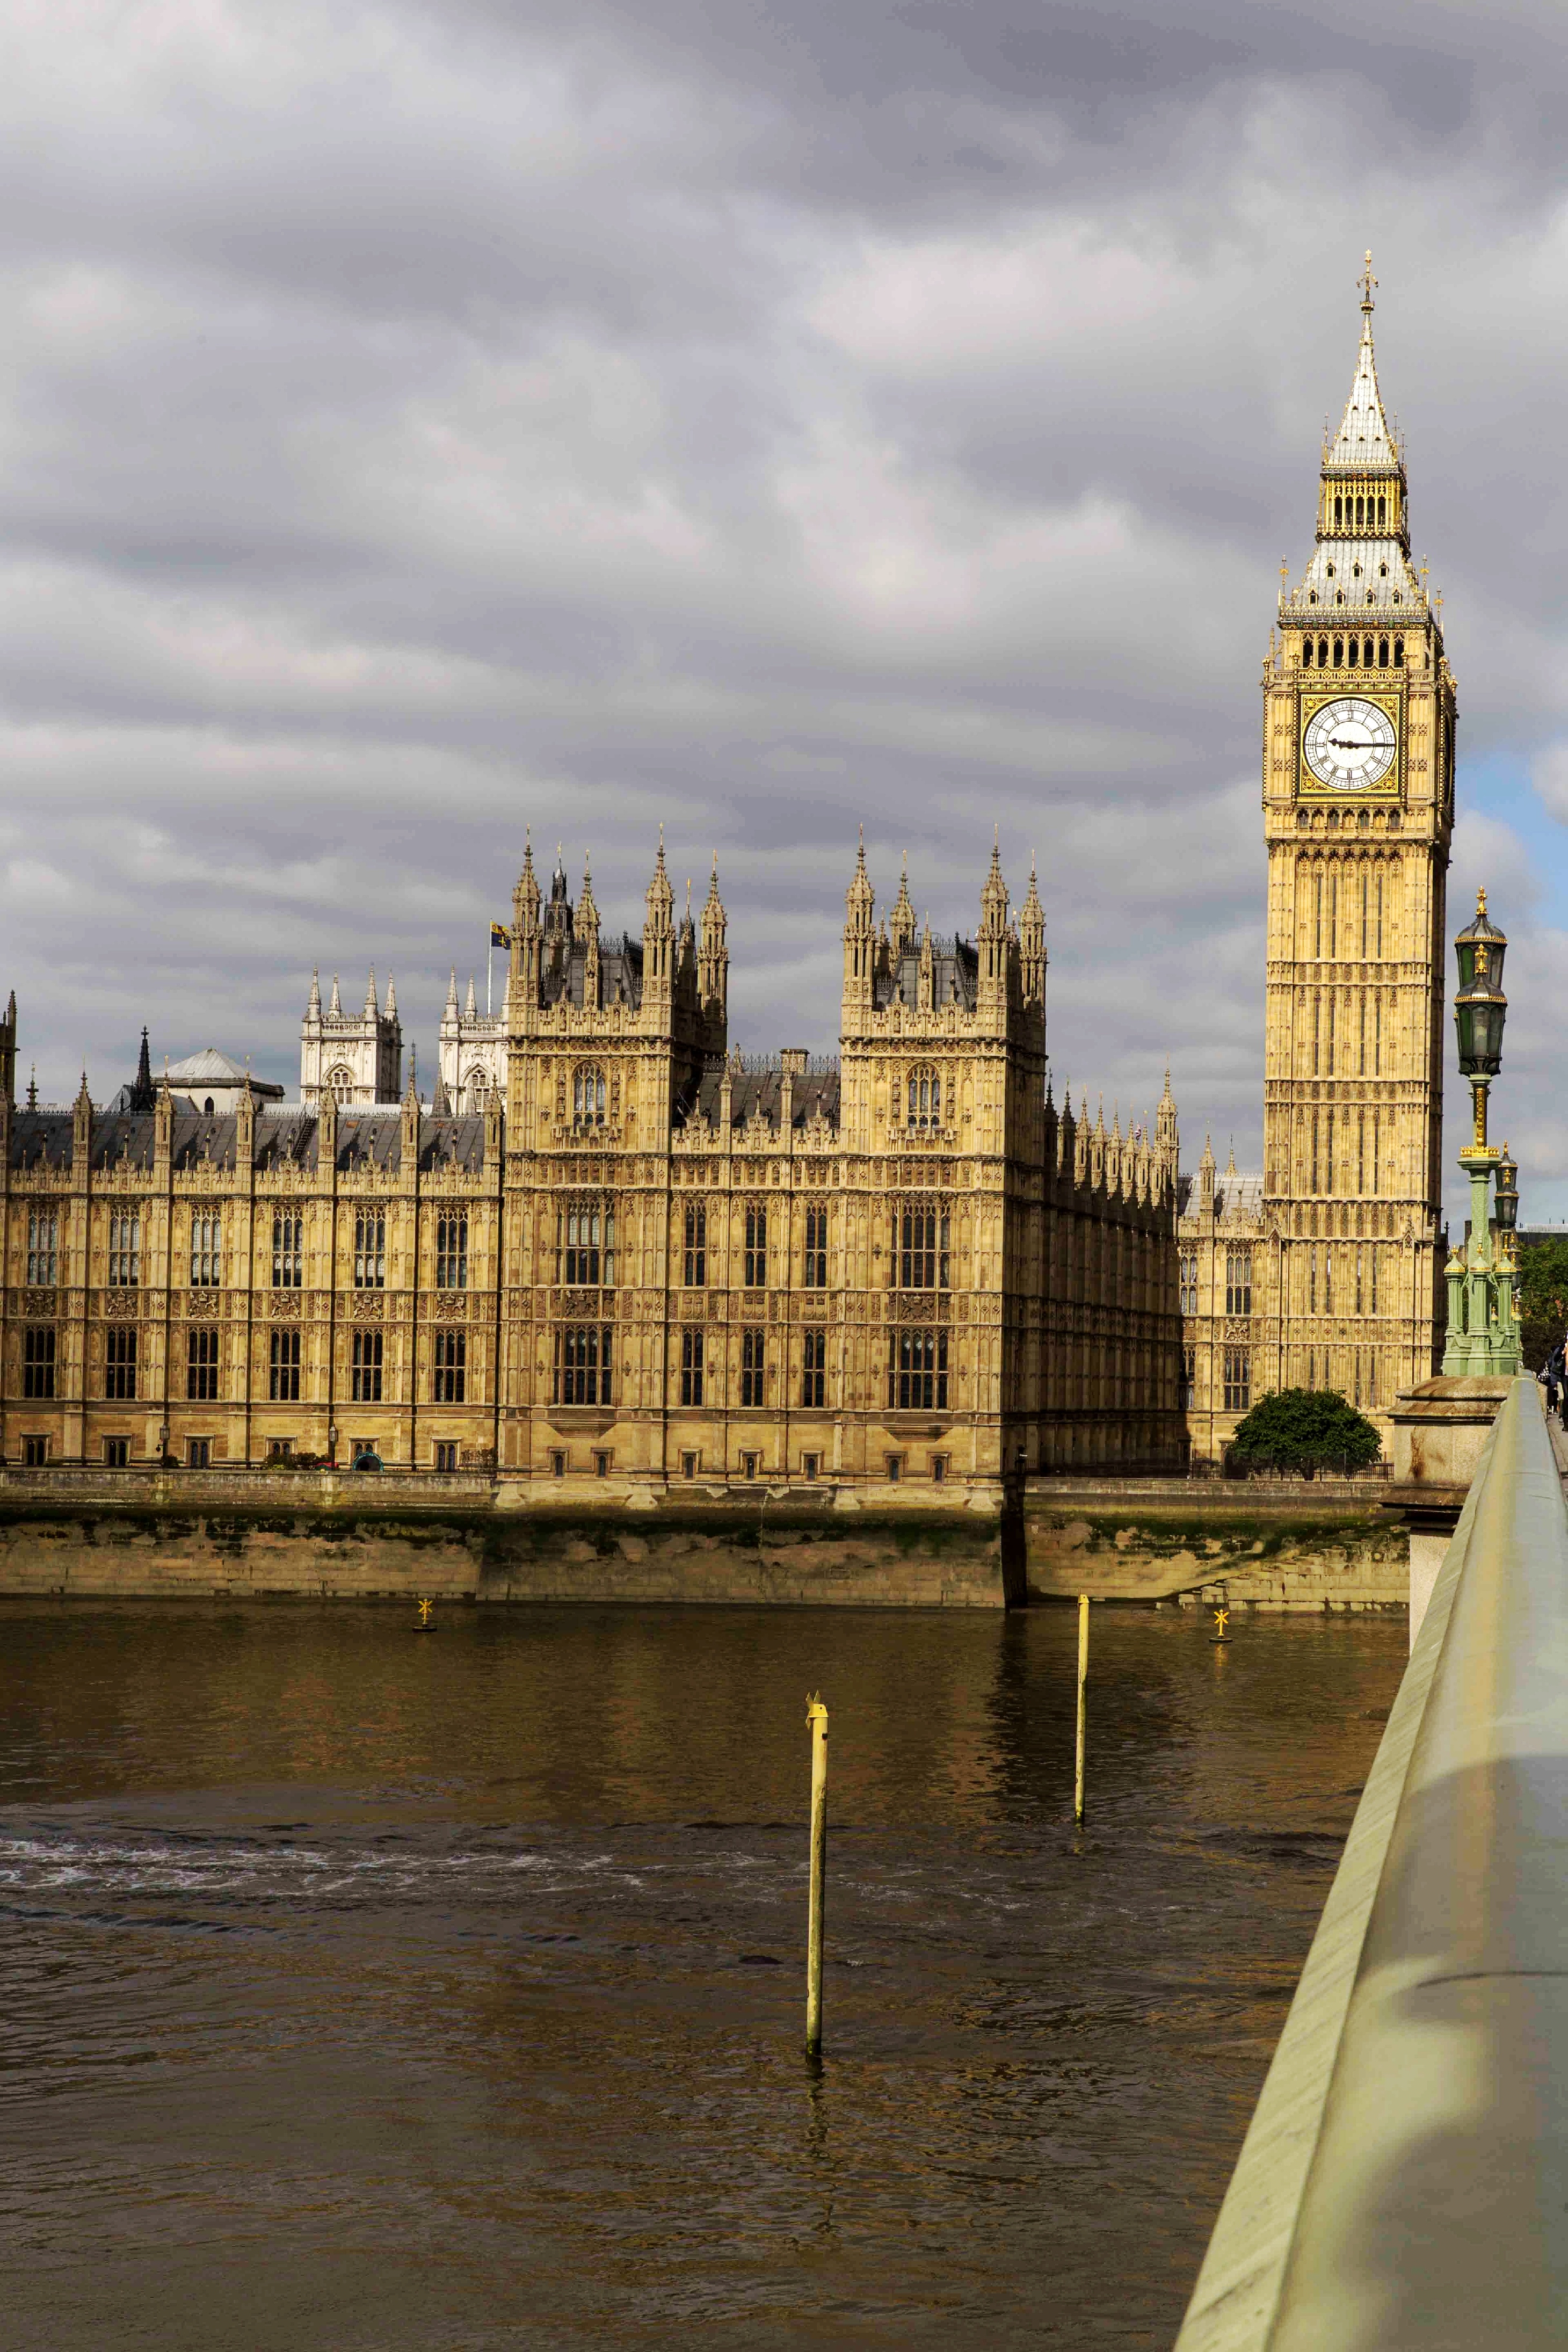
x: 1483, y: 1322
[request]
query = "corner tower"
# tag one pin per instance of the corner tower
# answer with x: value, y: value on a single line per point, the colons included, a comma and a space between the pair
x: 1358, y: 807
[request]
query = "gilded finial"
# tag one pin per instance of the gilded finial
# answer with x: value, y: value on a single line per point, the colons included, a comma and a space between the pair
x: 1367, y: 282
x: 1481, y: 900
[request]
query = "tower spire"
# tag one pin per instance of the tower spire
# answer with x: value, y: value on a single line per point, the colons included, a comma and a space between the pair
x: 1364, y: 439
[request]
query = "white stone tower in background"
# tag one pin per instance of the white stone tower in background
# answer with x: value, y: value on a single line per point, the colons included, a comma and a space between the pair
x: 355, y: 1057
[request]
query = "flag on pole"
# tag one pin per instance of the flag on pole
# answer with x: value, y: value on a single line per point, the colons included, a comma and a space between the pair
x: 499, y: 936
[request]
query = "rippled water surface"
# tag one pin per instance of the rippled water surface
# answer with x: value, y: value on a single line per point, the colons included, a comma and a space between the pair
x: 366, y: 1988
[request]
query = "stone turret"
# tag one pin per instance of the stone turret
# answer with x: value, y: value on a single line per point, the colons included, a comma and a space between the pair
x: 859, y: 942
x: 901, y: 922
x: 714, y: 958
x: 1032, y: 944
x: 1167, y: 1140
x: 993, y: 939
x: 588, y: 932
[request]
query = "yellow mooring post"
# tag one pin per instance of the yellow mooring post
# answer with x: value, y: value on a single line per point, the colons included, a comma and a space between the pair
x: 816, y: 1718
x: 1082, y: 1704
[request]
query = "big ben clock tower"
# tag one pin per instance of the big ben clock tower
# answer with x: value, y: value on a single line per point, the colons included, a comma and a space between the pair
x: 1358, y: 808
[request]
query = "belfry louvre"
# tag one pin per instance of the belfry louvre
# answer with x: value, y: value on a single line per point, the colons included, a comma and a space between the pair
x: 630, y: 1257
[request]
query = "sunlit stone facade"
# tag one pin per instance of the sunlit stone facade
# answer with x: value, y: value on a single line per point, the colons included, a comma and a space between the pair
x: 645, y: 1263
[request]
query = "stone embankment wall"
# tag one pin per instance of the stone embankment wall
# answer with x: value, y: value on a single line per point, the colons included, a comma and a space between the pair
x: 337, y: 1538
x: 1297, y: 1546
x: 329, y: 1538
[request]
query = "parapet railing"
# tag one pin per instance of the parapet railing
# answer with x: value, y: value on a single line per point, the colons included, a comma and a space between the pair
x: 1403, y: 2184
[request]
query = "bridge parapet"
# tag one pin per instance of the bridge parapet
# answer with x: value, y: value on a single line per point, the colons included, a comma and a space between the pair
x: 1403, y: 2183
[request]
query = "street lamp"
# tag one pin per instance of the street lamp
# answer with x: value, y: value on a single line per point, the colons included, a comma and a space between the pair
x: 1480, y: 1008
x: 1506, y: 1192
x: 1483, y: 1327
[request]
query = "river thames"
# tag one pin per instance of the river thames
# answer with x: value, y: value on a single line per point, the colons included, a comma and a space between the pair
x: 371, y: 1988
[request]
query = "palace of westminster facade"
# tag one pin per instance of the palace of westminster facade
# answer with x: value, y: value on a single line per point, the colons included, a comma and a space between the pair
x: 611, y: 1249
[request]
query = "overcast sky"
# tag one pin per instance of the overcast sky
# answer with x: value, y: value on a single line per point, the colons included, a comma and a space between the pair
x: 424, y: 422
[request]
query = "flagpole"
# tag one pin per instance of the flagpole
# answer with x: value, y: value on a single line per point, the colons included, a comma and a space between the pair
x: 490, y: 967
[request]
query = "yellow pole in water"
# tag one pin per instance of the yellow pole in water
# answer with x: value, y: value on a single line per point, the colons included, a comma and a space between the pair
x: 1082, y: 1704
x: 816, y: 1718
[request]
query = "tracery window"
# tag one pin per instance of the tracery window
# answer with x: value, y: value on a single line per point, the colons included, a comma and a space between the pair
x: 813, y: 1370
x: 753, y: 1366
x: 478, y: 1089
x: 201, y: 1367
x: 43, y: 1248
x: 1237, y: 1381
x: 582, y: 1361
x: 283, y: 1373
x: 756, y: 1260
x: 206, y: 1250
x: 691, y: 1367
x: 451, y: 1370
x: 587, y: 1096
x: 917, y: 1371
x: 370, y: 1251
x: 921, y: 1259
x: 368, y: 1360
x: 124, y: 1248
x: 694, y: 1266
x: 288, y: 1261
x: 1238, y: 1281
x: 452, y: 1251
x: 585, y: 1245
x: 119, y: 1361
x: 924, y: 1096
x: 38, y: 1361
x: 815, y: 1272
x: 1187, y: 1279
x: 340, y: 1084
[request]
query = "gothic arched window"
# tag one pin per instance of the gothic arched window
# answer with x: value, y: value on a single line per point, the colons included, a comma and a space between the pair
x: 585, y: 1245
x: 1339, y: 652
x: 340, y: 1085
x: 756, y: 1267
x: 920, y: 1252
x: 587, y: 1096
x: 1307, y: 654
x: 924, y: 1096
x: 478, y: 1089
x: 1382, y: 653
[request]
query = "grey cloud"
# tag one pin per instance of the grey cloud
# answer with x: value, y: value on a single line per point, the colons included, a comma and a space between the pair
x: 425, y: 422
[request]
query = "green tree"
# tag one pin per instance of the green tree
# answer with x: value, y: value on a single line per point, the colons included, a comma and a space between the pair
x: 1542, y: 1298
x: 1306, y: 1430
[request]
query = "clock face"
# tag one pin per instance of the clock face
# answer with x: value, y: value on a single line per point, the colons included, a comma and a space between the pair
x: 1350, y: 744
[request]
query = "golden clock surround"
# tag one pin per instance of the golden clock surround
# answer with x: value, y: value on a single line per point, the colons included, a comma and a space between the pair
x: 1391, y: 702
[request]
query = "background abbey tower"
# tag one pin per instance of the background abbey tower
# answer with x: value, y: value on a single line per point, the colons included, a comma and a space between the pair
x: 1325, y: 1271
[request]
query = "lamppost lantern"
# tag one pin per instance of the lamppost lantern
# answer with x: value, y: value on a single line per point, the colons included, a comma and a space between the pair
x: 1483, y: 1306
x: 1506, y: 1191
x: 1480, y: 1008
